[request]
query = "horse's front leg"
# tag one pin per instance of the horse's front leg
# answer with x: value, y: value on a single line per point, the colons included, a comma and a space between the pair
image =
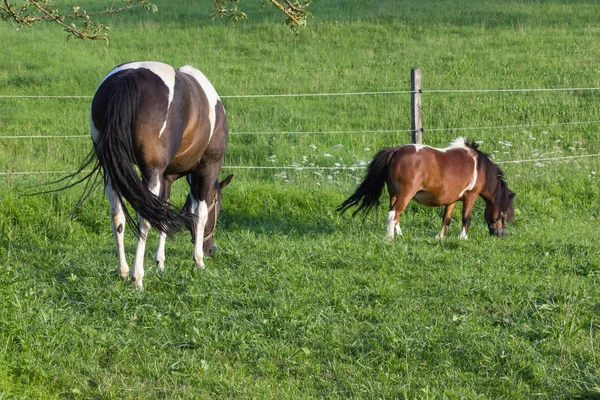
x: 200, y: 210
x: 159, y: 257
x: 118, y: 227
x: 446, y: 220
x: 466, y: 216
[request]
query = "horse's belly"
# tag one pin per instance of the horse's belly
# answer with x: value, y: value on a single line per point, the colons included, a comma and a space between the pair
x: 431, y: 200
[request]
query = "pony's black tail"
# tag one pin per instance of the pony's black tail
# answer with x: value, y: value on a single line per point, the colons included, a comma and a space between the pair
x: 114, y: 149
x: 369, y: 191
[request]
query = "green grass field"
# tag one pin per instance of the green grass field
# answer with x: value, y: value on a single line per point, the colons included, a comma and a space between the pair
x: 299, y: 301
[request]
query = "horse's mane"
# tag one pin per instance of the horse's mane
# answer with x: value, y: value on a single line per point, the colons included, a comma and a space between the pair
x: 495, y: 183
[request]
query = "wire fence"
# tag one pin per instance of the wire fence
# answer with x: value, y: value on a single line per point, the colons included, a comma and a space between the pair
x: 364, y: 93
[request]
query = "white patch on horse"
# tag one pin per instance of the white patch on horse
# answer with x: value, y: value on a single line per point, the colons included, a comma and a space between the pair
x: 463, y: 234
x: 209, y: 90
x: 419, y: 147
x: 473, y: 178
x: 164, y: 71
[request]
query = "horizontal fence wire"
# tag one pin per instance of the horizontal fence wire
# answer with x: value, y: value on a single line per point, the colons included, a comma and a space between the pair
x: 498, y: 127
x: 367, y: 93
x: 311, y: 168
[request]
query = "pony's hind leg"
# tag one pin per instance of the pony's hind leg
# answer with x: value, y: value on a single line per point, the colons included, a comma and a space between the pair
x: 397, y: 205
x: 118, y: 227
x: 446, y: 220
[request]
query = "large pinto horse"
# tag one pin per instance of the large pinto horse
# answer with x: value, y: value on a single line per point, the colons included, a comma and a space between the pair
x: 436, y: 177
x: 169, y: 123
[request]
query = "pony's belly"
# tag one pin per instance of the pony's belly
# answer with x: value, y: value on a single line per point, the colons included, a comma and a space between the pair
x: 431, y: 200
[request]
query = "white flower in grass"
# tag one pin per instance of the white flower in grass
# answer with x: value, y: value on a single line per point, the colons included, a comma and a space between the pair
x: 557, y: 141
x: 316, y: 173
x: 362, y: 163
x: 337, y: 164
x: 330, y: 177
x: 327, y: 155
x: 593, y: 172
x: 532, y: 138
x: 538, y: 164
x: 367, y: 149
x: 312, y: 146
x: 273, y: 156
x: 294, y: 164
x: 479, y: 142
x: 337, y: 146
x: 545, y: 132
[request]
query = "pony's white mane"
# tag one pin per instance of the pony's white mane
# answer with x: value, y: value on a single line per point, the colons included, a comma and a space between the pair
x: 459, y: 142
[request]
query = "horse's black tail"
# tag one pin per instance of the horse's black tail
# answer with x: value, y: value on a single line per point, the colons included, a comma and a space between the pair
x: 114, y: 149
x: 369, y: 191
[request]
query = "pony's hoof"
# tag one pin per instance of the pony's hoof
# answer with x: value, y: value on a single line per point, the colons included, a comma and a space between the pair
x: 138, y: 285
x: 200, y: 265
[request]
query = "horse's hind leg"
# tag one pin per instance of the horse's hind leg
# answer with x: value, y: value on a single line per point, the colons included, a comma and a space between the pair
x: 118, y: 227
x: 446, y: 220
x: 137, y: 273
x: 397, y: 205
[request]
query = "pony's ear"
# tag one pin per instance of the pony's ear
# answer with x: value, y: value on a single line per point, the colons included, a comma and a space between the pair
x: 512, y: 195
x: 226, y: 181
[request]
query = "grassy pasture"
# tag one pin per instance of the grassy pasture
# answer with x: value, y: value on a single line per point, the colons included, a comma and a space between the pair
x: 301, y: 302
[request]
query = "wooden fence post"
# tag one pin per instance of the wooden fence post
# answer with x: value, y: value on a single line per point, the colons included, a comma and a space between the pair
x: 415, y: 106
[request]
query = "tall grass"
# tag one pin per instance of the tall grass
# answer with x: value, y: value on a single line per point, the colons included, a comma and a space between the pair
x: 300, y: 302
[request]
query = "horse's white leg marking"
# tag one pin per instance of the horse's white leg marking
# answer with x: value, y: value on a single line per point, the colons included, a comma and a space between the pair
x: 163, y: 71
x: 210, y: 92
x: 463, y: 234
x: 137, y: 273
x: 138, y: 264
x: 118, y: 226
x: 391, y: 224
x: 201, y: 216
x: 160, y: 252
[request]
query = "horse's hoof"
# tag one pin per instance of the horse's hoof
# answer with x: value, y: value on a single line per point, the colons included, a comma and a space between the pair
x: 139, y: 285
x: 123, y: 273
x: 160, y: 265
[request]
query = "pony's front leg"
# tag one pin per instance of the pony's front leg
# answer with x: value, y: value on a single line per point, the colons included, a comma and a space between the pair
x: 137, y: 273
x: 446, y: 220
x: 200, y: 210
x: 466, y: 216
x: 118, y: 226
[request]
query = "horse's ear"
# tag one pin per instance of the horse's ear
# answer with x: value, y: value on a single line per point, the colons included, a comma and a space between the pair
x: 226, y: 181
x: 512, y: 195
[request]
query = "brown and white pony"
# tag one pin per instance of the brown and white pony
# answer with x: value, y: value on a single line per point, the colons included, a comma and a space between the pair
x: 436, y: 177
x: 169, y: 123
